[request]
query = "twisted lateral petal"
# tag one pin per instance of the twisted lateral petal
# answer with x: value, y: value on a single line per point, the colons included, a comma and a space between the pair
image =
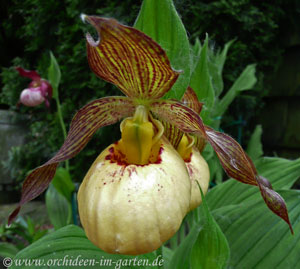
x: 86, y: 122
x: 232, y: 157
x: 274, y: 201
x: 239, y: 166
x: 177, y: 114
x: 35, y: 183
x: 190, y: 99
x: 129, y: 59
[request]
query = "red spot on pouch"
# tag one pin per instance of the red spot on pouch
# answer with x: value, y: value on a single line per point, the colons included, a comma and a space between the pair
x: 190, y: 169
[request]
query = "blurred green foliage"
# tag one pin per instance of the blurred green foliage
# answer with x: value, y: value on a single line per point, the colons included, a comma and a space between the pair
x: 260, y: 30
x: 32, y: 28
x: 19, y: 235
x: 255, y: 24
x: 39, y: 27
x: 54, y: 26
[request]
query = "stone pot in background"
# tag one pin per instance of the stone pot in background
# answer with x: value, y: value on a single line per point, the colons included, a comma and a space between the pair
x: 12, y: 133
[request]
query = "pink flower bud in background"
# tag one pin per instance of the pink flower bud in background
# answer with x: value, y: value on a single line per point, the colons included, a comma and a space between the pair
x: 39, y: 89
x: 31, y: 97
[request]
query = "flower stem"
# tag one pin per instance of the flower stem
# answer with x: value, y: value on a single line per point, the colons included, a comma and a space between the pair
x: 62, y: 124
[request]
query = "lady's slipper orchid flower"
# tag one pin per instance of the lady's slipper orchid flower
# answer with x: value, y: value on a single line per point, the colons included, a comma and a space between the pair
x: 39, y: 90
x: 132, y: 209
x: 190, y: 149
x: 123, y: 186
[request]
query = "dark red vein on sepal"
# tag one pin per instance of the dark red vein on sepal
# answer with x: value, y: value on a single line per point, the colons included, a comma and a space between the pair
x: 239, y: 166
x: 35, y: 183
x: 129, y: 59
x: 232, y: 157
x: 173, y: 134
x: 190, y: 99
x: 274, y: 201
x: 179, y: 115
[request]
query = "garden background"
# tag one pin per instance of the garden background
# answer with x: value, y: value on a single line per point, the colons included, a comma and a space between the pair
x: 265, y: 34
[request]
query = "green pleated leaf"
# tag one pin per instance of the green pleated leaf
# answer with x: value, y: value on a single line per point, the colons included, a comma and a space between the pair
x: 281, y: 173
x: 58, y: 207
x: 181, y: 258
x: 219, y: 60
x: 167, y: 256
x: 8, y: 250
x: 257, y: 238
x: 215, y: 65
x: 214, y: 71
x: 54, y: 74
x: 63, y: 183
x: 196, y: 48
x: 211, y: 248
x: 221, y: 56
x: 160, y: 20
x: 244, y: 82
x: 70, y: 242
x: 201, y: 82
x: 204, y: 247
x: 254, y: 148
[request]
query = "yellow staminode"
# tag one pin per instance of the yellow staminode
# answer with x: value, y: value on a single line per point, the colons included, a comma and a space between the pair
x: 185, y: 147
x: 138, y: 136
